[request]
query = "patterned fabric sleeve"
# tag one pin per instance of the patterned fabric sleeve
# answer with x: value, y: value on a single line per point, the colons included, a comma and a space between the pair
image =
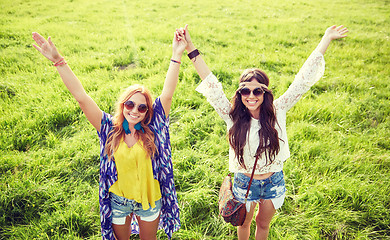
x: 163, y: 170
x: 107, y: 177
x: 311, y: 71
x: 211, y: 88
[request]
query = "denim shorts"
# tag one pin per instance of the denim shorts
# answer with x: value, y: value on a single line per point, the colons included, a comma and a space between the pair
x: 123, y: 207
x: 270, y: 188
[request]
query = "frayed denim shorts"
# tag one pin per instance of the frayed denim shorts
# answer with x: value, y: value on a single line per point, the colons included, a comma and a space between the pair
x: 123, y: 207
x: 270, y: 188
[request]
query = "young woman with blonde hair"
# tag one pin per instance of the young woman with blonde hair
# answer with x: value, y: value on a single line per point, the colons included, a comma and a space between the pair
x: 136, y: 188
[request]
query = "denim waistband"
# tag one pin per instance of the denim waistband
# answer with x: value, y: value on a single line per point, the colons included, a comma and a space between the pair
x: 120, y: 198
x: 274, y: 178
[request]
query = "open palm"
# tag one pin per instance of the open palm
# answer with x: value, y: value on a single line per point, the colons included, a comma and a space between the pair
x: 335, y: 32
x: 47, y: 48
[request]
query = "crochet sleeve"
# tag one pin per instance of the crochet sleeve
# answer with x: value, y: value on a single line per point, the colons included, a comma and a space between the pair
x: 211, y: 88
x: 311, y: 71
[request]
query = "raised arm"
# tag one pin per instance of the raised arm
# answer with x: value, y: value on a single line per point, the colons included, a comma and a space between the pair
x: 199, y: 64
x: 178, y: 45
x: 210, y: 87
x: 88, y: 106
x: 311, y: 71
x: 331, y: 34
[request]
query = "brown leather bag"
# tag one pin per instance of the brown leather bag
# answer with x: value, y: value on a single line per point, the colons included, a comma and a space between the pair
x: 231, y: 209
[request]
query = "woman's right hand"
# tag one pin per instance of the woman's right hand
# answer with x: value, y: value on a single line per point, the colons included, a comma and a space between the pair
x: 199, y: 64
x: 47, y: 48
x: 190, y: 46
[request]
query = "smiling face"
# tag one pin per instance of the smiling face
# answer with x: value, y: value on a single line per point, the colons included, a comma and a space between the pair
x: 255, y: 98
x: 133, y: 116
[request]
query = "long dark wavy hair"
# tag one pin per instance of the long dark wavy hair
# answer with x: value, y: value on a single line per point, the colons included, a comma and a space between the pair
x: 269, y: 139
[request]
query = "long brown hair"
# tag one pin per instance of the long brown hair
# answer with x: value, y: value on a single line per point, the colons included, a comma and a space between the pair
x: 269, y: 139
x: 117, y: 132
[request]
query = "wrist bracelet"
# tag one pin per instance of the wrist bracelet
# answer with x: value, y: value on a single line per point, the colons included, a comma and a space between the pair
x: 60, y: 62
x: 193, y: 54
x: 172, y: 60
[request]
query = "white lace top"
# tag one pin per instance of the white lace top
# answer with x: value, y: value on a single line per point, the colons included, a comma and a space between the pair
x: 308, y: 75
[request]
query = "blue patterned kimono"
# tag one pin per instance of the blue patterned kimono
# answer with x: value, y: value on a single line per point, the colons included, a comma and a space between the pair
x: 162, y: 171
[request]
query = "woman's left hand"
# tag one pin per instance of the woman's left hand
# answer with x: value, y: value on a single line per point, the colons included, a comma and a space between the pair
x: 179, y: 43
x: 335, y: 32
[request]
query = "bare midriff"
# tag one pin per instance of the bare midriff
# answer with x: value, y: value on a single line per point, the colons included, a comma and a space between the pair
x: 260, y: 176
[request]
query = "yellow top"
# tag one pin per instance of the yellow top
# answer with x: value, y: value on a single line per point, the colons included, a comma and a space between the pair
x: 135, y: 175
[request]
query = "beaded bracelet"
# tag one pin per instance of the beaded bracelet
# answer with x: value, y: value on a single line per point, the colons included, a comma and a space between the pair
x: 193, y: 54
x: 172, y: 60
x: 60, y: 62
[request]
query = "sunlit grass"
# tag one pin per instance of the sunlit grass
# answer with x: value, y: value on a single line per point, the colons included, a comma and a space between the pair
x: 337, y: 177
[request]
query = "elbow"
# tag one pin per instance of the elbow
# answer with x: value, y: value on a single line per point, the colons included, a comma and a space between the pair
x: 82, y: 99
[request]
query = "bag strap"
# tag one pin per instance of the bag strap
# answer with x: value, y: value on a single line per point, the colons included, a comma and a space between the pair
x: 250, y: 181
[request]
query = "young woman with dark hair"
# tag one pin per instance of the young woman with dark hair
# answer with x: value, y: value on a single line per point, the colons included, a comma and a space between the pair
x: 256, y: 126
x: 265, y: 114
x: 136, y: 188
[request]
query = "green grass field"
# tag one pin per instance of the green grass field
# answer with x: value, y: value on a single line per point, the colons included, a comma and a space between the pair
x: 337, y: 177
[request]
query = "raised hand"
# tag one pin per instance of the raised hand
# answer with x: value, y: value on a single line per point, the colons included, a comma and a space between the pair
x: 47, y: 48
x: 331, y: 33
x: 179, y: 42
x: 187, y: 34
x: 190, y: 45
x: 334, y: 32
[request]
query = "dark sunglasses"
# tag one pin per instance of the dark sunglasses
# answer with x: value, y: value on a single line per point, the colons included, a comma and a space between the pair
x: 142, y: 108
x: 246, y: 91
